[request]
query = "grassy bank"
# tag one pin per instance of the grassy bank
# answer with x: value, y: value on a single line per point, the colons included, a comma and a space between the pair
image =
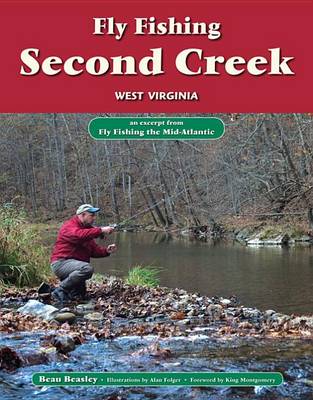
x: 293, y: 226
x: 24, y: 260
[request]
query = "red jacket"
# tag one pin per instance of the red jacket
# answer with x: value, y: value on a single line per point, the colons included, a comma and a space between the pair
x: 77, y: 241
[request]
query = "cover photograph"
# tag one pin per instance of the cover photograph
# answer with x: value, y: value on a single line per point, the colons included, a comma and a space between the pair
x: 156, y: 200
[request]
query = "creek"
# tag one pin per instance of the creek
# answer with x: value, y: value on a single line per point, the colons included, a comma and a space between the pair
x: 197, y: 354
x: 272, y: 277
x: 264, y: 277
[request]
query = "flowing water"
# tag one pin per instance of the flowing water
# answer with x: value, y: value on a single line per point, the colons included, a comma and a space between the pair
x: 278, y: 278
x: 272, y: 277
x: 291, y: 357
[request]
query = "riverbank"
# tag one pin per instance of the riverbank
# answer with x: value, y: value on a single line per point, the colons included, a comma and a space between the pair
x: 117, y: 309
x: 133, y: 328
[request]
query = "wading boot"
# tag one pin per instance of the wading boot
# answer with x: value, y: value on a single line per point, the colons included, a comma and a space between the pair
x: 60, y: 295
x: 79, y: 292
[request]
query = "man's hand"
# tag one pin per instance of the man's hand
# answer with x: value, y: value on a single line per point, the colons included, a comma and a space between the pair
x: 107, y: 229
x: 111, y: 248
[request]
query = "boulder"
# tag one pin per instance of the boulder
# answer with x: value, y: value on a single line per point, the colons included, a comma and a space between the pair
x: 35, y: 307
x: 64, y: 344
x: 302, y: 322
x: 9, y: 359
x: 301, y: 239
x: 95, y: 316
x: 251, y: 313
x: 84, y: 308
x: 214, y: 311
x: 277, y: 240
x: 243, y: 234
x: 65, y: 317
x: 277, y: 320
x: 225, y: 302
x: 269, y: 313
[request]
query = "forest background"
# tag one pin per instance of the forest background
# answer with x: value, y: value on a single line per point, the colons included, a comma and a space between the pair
x: 262, y: 165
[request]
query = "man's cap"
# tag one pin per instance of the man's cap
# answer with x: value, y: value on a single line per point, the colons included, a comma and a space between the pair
x: 87, y: 207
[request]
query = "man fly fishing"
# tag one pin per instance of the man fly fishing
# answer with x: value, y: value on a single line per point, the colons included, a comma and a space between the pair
x: 75, y: 245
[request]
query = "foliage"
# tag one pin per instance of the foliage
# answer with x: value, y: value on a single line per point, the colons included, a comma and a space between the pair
x: 294, y: 232
x: 270, y: 232
x: 143, y: 276
x: 23, y: 260
x: 98, y: 278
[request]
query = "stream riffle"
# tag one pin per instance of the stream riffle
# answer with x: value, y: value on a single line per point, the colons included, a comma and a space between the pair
x: 132, y: 328
x: 198, y: 353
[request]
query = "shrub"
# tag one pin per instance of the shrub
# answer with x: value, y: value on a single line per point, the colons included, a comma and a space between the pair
x: 23, y: 260
x: 98, y: 278
x: 143, y: 276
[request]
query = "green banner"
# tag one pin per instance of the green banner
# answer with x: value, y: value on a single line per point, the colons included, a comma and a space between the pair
x: 157, y: 379
x: 170, y: 128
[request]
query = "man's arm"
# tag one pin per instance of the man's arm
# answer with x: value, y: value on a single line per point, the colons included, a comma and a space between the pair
x: 78, y: 235
x: 97, y: 251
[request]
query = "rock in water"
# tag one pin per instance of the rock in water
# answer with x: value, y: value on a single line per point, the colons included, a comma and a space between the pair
x: 95, y: 316
x: 225, y: 302
x: 9, y: 359
x: 84, y: 308
x: 65, y: 317
x: 275, y: 240
x: 64, y: 344
x: 35, y: 307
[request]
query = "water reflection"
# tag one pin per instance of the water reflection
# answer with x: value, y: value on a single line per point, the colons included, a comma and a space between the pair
x: 275, y: 277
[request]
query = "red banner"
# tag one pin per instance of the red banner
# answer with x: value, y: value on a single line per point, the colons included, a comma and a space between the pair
x: 91, y: 56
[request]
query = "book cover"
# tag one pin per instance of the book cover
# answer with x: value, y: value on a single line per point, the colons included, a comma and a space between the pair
x: 156, y: 199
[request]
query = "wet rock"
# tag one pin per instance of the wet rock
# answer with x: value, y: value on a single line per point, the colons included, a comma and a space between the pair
x: 5, y: 310
x: 158, y: 311
x: 308, y: 382
x: 260, y: 390
x: 225, y: 302
x: 231, y: 311
x: 277, y: 320
x: 183, y: 322
x: 36, y: 358
x: 9, y: 359
x: 191, y: 313
x: 65, y: 309
x: 64, y: 344
x: 277, y: 240
x: 184, y: 298
x: 65, y: 317
x: 251, y: 313
x: 215, y: 311
x: 301, y: 239
x: 269, y: 313
x: 302, y: 322
x: 95, y: 316
x: 245, y: 325
x: 85, y: 308
x: 243, y: 234
x: 153, y: 350
x: 34, y: 307
x: 156, y: 318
